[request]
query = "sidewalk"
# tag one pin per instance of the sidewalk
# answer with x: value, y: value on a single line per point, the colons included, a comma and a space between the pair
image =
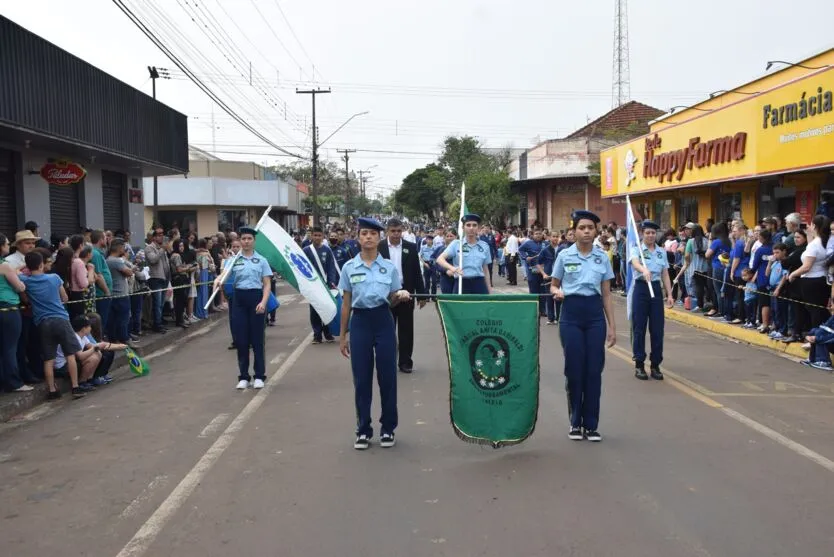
x: 12, y: 404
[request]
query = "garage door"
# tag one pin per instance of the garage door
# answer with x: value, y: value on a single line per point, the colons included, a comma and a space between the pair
x: 113, y: 191
x: 63, y: 209
x: 8, y: 206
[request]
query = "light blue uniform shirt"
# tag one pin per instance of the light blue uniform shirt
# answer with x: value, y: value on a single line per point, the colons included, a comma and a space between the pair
x: 582, y: 275
x: 475, y: 256
x: 371, y: 285
x: 656, y: 261
x: 250, y: 272
x: 425, y: 253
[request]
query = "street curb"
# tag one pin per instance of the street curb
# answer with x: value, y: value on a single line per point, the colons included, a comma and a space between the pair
x: 13, y: 404
x: 735, y: 332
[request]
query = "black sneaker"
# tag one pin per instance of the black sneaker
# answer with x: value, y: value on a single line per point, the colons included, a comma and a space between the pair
x: 640, y: 371
x: 232, y: 346
x: 656, y: 374
x: 86, y: 387
x: 53, y: 395
x: 77, y: 392
x: 386, y: 440
x: 363, y: 442
x: 316, y: 341
x: 593, y: 435
x: 575, y: 434
x: 329, y: 339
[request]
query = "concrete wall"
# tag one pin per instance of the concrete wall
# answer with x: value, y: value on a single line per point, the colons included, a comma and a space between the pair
x: 227, y: 169
x: 220, y: 192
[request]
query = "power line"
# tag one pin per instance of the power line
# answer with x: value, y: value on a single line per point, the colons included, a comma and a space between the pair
x: 304, y: 50
x: 277, y: 38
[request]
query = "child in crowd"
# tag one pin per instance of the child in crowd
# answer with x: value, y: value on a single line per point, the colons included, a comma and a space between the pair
x: 502, y: 259
x: 94, y: 359
x: 779, y: 306
x: 822, y: 344
x: 750, y: 298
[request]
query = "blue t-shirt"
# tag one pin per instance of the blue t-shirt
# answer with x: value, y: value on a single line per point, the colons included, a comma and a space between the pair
x: 718, y: 248
x: 759, y: 264
x: 776, y: 274
x: 44, y: 295
x: 738, y: 253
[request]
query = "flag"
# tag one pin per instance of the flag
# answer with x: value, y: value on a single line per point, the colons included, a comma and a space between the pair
x: 463, y: 211
x: 492, y: 345
x: 284, y: 256
x: 138, y: 366
x: 632, y: 248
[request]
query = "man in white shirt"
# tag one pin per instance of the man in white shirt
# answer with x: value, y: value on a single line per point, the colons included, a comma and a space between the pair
x: 409, y: 236
x: 24, y: 242
x: 512, y: 258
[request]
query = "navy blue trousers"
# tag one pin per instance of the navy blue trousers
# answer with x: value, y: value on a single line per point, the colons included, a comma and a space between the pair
x: 647, y: 310
x: 582, y: 330
x: 534, y: 286
x: 447, y: 284
x: 248, y: 330
x: 472, y: 285
x: 372, y: 336
x: 430, y: 280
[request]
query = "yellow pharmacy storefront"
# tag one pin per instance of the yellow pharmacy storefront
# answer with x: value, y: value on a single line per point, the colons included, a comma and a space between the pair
x: 766, y: 148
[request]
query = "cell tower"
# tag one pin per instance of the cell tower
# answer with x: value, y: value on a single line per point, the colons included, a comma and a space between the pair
x: 621, y: 88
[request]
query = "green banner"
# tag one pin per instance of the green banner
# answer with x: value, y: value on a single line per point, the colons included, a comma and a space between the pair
x: 492, y: 342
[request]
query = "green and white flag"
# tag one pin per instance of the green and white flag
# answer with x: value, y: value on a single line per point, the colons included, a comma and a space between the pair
x: 492, y: 343
x: 287, y: 258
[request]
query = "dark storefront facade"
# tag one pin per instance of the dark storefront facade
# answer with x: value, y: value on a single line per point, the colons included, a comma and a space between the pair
x: 69, y: 153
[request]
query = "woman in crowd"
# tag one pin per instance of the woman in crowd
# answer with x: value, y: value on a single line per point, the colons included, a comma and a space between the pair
x: 718, y: 250
x: 82, y: 275
x: 10, y: 323
x: 695, y: 266
x: 798, y: 312
x: 205, y: 268
x: 63, y: 266
x: 180, y: 280
x: 813, y: 285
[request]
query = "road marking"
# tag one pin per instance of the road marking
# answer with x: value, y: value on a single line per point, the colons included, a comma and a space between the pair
x: 294, y: 341
x: 772, y: 395
x: 134, y: 505
x: 147, y: 534
x: 214, y: 425
x: 771, y: 434
x: 280, y: 356
x: 287, y: 299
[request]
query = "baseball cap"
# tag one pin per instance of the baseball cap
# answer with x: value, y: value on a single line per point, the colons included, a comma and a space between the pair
x: 690, y: 225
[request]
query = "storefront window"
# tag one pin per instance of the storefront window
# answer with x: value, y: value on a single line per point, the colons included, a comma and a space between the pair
x: 230, y: 219
x: 687, y: 210
x: 729, y: 207
x: 663, y: 213
x: 186, y: 221
x: 641, y: 211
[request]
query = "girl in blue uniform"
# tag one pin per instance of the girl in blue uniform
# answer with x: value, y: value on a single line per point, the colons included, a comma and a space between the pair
x: 581, y: 280
x: 251, y: 276
x: 371, y: 285
x: 477, y: 256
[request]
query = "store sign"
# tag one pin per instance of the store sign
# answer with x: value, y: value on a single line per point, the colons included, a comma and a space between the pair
x: 672, y: 165
x: 63, y: 173
x: 817, y: 104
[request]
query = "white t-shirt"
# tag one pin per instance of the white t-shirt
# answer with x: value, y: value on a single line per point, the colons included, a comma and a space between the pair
x: 61, y: 360
x: 512, y: 244
x: 820, y: 254
x: 16, y: 260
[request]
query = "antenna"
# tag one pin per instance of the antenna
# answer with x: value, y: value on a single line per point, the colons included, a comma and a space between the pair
x: 621, y: 88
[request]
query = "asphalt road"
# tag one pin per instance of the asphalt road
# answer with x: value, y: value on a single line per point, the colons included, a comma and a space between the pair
x: 732, y: 459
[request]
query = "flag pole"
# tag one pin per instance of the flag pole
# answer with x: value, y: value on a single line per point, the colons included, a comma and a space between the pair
x: 637, y: 235
x: 225, y: 274
x: 460, y: 234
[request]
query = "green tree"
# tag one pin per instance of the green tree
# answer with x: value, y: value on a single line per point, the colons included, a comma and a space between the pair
x: 422, y: 192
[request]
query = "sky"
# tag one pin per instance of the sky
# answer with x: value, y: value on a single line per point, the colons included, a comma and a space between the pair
x: 511, y: 74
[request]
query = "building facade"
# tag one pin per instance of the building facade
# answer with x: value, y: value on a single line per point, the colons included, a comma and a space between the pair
x: 555, y: 176
x: 75, y: 142
x: 764, y: 148
x: 218, y: 196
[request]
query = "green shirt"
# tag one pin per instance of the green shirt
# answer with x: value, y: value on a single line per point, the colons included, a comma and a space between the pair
x: 7, y: 293
x: 100, y: 264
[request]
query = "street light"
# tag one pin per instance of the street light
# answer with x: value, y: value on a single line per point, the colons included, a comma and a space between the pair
x: 343, y: 125
x: 722, y: 91
x: 674, y: 108
x: 771, y: 62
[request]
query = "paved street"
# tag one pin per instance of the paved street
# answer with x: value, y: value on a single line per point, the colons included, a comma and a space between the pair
x: 732, y: 459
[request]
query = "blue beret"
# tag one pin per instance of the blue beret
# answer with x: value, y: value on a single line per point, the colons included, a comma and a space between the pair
x: 247, y: 230
x: 579, y: 215
x: 650, y: 224
x: 471, y: 217
x: 368, y: 223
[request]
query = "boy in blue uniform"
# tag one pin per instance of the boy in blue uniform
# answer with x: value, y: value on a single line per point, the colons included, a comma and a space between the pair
x: 252, y: 281
x: 476, y: 259
x: 370, y: 285
x: 645, y: 308
x: 488, y: 237
x: 341, y: 252
x: 325, y: 265
x: 529, y: 252
x: 427, y: 263
x: 547, y: 258
x: 444, y: 280
x: 582, y: 282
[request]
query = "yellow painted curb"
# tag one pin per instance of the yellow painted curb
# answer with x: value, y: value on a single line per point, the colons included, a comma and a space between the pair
x: 736, y: 332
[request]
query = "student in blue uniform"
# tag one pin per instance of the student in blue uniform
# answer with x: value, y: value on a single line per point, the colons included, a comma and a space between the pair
x: 476, y: 258
x: 488, y: 237
x: 582, y: 282
x: 529, y: 252
x: 445, y: 281
x: 646, y: 309
x: 547, y: 258
x: 252, y: 275
x: 427, y: 264
x: 324, y: 263
x: 341, y: 252
x: 370, y: 285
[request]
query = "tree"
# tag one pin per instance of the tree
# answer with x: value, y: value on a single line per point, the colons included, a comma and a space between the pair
x: 422, y: 191
x: 331, y: 177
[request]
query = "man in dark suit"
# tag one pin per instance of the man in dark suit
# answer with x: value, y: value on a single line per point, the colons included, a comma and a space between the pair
x: 405, y: 257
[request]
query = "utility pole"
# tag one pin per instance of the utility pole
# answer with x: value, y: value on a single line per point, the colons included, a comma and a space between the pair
x: 154, y: 76
x: 313, y: 93
x: 347, y: 180
x: 362, y: 182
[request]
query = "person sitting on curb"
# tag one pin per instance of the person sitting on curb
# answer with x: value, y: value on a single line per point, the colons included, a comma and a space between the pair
x: 822, y: 344
x: 90, y: 357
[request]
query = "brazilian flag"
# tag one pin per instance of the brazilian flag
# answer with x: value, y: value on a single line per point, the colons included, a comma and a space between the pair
x: 138, y: 366
x: 492, y: 343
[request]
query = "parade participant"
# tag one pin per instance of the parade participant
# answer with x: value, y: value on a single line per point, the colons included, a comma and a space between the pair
x: 648, y: 309
x: 488, y: 237
x: 405, y: 257
x: 582, y: 282
x: 341, y: 251
x: 547, y: 257
x: 476, y: 258
x: 447, y: 284
x: 369, y: 284
x: 427, y: 264
x: 324, y: 262
x: 228, y: 288
x: 529, y: 251
x: 252, y: 288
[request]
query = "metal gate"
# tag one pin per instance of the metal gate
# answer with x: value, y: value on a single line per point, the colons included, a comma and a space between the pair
x: 8, y: 205
x: 113, y: 186
x: 63, y: 209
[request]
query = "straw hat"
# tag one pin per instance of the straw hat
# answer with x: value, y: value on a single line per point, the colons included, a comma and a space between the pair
x: 24, y: 235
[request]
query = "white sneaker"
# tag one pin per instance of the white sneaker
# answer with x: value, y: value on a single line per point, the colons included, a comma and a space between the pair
x: 242, y: 385
x: 259, y: 383
x: 24, y: 389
